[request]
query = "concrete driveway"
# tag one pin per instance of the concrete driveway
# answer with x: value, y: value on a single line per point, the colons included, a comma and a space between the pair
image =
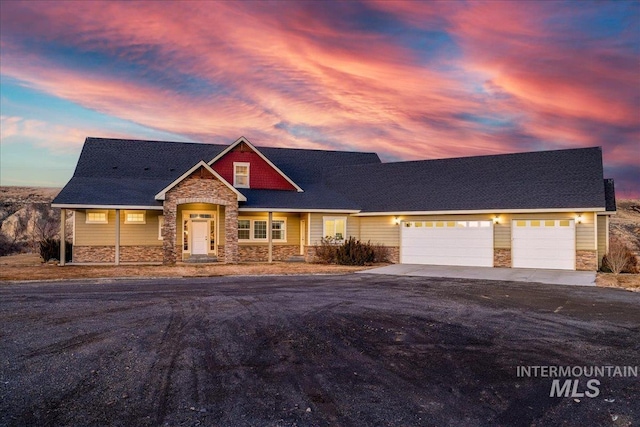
x: 552, y: 277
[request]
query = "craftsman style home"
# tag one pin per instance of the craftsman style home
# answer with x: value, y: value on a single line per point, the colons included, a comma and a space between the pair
x: 169, y: 202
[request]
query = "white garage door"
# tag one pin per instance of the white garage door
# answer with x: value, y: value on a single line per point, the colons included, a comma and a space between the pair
x: 447, y: 243
x: 544, y: 244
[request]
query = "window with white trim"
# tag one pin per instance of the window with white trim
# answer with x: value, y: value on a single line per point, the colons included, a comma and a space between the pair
x: 334, y: 227
x: 241, y: 174
x: 244, y: 229
x: 160, y: 225
x: 256, y: 230
x: 135, y: 217
x: 97, y: 217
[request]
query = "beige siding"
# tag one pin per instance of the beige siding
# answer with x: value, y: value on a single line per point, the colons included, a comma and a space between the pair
x: 603, y: 224
x: 380, y: 229
x: 105, y: 234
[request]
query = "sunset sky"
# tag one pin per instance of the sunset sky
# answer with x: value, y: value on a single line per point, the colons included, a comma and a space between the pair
x: 408, y: 80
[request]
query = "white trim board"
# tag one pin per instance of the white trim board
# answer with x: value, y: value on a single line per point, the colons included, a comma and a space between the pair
x: 262, y: 156
x: 484, y: 211
x: 80, y: 206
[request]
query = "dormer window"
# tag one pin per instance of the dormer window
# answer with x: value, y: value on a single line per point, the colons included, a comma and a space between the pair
x: 241, y: 174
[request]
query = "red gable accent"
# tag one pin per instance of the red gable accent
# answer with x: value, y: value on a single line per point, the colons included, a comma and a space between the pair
x: 261, y: 175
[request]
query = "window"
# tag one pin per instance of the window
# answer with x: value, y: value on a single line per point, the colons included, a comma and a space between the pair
x: 256, y: 229
x: 160, y: 225
x: 97, y: 217
x: 241, y: 174
x: 335, y: 227
x: 135, y: 217
x: 277, y: 230
x: 259, y: 230
x: 244, y: 229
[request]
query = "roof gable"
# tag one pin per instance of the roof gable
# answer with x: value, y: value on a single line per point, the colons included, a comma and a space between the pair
x: 201, y: 164
x: 263, y: 173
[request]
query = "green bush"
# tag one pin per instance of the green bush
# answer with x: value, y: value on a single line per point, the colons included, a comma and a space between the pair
x: 50, y: 249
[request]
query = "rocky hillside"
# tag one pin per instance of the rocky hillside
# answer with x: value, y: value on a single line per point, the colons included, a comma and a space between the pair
x: 625, y: 224
x: 26, y: 217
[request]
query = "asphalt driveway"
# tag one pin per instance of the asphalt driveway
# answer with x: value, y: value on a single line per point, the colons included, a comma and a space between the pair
x: 312, y: 350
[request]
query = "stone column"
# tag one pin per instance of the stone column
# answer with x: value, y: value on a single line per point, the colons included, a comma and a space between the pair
x: 231, y: 233
x: 169, y: 233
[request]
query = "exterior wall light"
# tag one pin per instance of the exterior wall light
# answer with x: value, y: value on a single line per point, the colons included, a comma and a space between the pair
x: 496, y: 219
x: 396, y: 220
x: 579, y: 219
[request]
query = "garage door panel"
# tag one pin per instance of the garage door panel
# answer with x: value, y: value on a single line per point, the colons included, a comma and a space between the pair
x: 548, y: 244
x: 452, y: 244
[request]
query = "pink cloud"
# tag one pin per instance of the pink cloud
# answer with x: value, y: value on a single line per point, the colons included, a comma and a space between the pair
x: 270, y: 68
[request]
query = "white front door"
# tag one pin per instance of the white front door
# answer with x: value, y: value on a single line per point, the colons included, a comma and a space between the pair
x: 199, y: 237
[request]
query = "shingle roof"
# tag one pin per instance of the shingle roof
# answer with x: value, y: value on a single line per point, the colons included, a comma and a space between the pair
x: 610, y: 195
x: 536, y: 180
x: 130, y: 173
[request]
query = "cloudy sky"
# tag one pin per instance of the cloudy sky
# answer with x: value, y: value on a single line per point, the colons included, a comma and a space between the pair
x: 409, y: 80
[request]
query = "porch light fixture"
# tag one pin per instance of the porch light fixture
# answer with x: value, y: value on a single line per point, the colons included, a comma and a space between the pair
x: 496, y: 219
x: 579, y: 219
x: 396, y: 220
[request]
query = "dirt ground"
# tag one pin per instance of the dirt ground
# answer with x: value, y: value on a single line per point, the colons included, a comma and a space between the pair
x: 349, y: 350
x: 30, y: 267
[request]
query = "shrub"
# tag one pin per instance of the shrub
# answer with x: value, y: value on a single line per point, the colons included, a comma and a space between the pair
x: 619, y: 259
x: 355, y: 252
x: 50, y: 249
x: 326, y: 251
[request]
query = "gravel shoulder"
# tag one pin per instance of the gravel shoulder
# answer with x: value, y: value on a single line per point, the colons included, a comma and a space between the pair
x: 310, y: 351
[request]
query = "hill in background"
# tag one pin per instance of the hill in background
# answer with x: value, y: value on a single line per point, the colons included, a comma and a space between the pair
x: 25, y: 214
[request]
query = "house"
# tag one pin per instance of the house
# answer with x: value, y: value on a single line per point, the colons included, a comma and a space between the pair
x: 153, y: 201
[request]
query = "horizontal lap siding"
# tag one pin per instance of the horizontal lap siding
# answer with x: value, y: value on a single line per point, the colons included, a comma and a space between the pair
x: 602, y: 237
x: 380, y: 229
x: 105, y: 234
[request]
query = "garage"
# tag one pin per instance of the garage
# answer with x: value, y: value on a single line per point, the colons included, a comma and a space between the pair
x: 465, y: 243
x: 549, y: 243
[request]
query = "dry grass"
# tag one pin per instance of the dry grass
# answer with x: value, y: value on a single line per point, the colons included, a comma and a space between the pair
x: 29, y: 267
x: 630, y: 282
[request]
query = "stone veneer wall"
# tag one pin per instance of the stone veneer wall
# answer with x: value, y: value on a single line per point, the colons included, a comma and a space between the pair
x: 95, y: 254
x: 140, y: 253
x: 261, y: 252
x: 502, y: 258
x: 200, y: 189
x: 107, y: 254
x: 585, y: 260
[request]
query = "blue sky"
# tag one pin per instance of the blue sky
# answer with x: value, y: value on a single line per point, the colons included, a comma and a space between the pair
x: 409, y: 80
